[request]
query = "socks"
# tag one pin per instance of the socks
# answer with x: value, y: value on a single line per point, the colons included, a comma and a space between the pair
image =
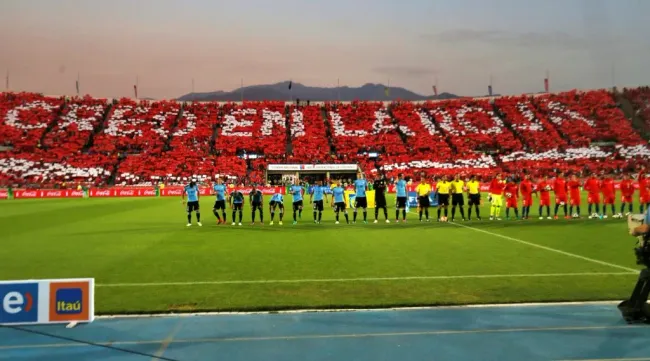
x: 189, y: 217
x: 216, y: 213
x: 198, y: 216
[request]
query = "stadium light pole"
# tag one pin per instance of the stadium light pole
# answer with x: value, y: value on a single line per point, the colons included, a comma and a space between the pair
x: 338, y: 88
x: 613, y: 75
x: 7, y: 81
x: 241, y: 90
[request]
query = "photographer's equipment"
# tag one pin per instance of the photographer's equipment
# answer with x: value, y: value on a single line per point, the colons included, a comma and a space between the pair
x: 636, y: 309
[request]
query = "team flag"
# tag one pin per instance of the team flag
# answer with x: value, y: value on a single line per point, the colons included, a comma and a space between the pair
x: 546, y: 85
x: 290, y: 84
x: 387, y: 91
x: 77, y: 87
x: 135, y: 91
x: 490, y: 90
x: 435, y: 90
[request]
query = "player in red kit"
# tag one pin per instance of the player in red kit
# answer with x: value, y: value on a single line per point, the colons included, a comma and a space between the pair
x: 592, y: 186
x: 512, y: 192
x: 627, y: 195
x: 609, y: 195
x: 574, y: 195
x: 644, y: 191
x: 526, y: 189
x: 560, y: 189
x: 544, y: 189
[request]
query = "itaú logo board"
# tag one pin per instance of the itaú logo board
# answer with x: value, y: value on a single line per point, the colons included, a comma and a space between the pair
x: 19, y: 303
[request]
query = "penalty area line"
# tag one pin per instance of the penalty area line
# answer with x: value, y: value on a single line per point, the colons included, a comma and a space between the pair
x: 569, y: 254
x: 368, y: 279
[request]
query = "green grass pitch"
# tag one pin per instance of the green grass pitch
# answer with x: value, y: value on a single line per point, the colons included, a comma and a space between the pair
x: 144, y: 259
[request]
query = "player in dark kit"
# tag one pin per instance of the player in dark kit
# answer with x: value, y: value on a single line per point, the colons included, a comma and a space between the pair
x: 379, y: 185
x: 237, y: 205
x: 257, y: 202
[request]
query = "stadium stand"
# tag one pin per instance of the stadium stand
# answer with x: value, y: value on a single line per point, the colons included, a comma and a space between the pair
x: 50, y: 140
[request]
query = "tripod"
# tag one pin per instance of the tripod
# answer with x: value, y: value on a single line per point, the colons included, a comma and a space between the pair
x: 636, y: 309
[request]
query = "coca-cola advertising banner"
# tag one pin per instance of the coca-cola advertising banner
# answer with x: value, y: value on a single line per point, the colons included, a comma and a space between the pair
x: 47, y: 193
x: 122, y: 192
x: 177, y: 191
x: 4, y: 194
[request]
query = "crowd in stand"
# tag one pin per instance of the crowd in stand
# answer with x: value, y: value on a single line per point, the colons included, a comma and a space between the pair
x: 47, y: 140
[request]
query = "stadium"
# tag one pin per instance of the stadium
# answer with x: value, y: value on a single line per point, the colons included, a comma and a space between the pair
x: 460, y: 228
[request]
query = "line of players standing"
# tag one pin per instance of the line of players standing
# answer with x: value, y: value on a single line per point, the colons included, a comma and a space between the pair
x: 567, y: 194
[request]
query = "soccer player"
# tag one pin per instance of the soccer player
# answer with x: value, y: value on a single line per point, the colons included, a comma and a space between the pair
x: 423, y: 190
x: 192, y: 191
x: 526, y: 189
x: 443, y: 188
x: 512, y: 191
x: 360, y: 201
x: 316, y: 198
x: 379, y: 185
x: 544, y: 189
x: 402, y: 197
x: 644, y: 191
x: 457, y: 199
x: 609, y: 195
x: 560, y: 190
x: 219, y: 189
x: 297, y: 192
x: 473, y: 197
x: 574, y: 195
x: 592, y: 186
x: 237, y: 205
x: 496, y: 196
x: 338, y: 202
x: 627, y: 195
x: 257, y: 202
x: 277, y: 201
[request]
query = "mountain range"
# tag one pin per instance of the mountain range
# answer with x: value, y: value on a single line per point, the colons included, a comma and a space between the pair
x: 281, y: 91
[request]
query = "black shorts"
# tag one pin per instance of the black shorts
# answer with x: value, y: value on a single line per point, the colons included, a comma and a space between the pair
x: 457, y: 200
x: 193, y: 206
x: 443, y: 199
x: 297, y: 205
x: 256, y: 205
x: 274, y: 204
x: 318, y: 205
x: 219, y: 204
x: 360, y: 202
x: 401, y: 202
x: 423, y: 201
x: 474, y: 199
x: 237, y: 206
x: 339, y: 206
x: 380, y: 202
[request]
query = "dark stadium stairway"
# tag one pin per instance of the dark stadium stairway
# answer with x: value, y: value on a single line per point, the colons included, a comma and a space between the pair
x: 287, y: 127
x: 51, y: 124
x: 396, y: 124
x: 328, y: 129
x: 181, y: 109
x: 99, y: 128
x: 507, y: 124
x: 445, y: 136
x: 628, y: 109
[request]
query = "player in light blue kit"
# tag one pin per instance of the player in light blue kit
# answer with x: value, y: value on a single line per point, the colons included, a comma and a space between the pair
x: 316, y: 197
x: 338, y: 202
x: 277, y: 201
x: 297, y: 191
x: 219, y: 189
x: 402, y: 197
x: 192, y: 191
x: 360, y: 201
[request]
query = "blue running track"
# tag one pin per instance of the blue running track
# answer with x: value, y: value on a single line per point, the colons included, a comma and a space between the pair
x: 504, y: 333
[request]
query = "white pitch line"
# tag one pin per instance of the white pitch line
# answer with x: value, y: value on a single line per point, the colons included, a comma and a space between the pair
x: 369, y: 279
x: 547, y: 248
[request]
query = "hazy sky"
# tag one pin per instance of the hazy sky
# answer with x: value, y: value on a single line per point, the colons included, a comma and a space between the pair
x: 45, y: 43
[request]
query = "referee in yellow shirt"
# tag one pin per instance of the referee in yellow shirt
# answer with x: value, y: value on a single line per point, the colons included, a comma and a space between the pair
x: 474, y: 197
x: 443, y: 188
x: 457, y: 199
x: 423, y: 190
